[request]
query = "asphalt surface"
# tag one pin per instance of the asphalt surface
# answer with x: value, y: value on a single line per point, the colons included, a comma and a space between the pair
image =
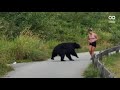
x: 52, y: 68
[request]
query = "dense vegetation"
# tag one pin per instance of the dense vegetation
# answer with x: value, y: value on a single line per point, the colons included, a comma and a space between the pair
x: 31, y: 36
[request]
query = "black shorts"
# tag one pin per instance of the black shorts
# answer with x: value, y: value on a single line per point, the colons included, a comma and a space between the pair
x: 93, y: 44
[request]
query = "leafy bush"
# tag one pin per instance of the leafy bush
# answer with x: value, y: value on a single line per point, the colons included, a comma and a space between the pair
x: 115, y: 39
x: 27, y: 44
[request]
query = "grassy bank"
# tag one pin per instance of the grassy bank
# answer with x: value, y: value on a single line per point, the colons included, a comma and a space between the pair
x: 4, y: 69
x: 25, y: 47
x: 91, y: 72
x: 113, y: 64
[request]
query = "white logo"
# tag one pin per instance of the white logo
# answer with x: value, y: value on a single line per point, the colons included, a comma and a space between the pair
x: 111, y: 19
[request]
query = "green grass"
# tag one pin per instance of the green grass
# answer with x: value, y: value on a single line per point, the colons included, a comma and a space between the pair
x: 112, y: 62
x: 91, y: 72
x: 4, y: 69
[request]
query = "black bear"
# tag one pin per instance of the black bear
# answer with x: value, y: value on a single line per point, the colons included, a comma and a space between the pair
x: 67, y: 49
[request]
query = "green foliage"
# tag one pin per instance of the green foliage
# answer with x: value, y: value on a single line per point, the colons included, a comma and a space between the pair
x: 5, y: 51
x: 115, y: 39
x: 29, y: 46
x: 61, y: 26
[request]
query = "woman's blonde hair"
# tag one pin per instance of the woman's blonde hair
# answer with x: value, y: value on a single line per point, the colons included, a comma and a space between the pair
x: 90, y: 29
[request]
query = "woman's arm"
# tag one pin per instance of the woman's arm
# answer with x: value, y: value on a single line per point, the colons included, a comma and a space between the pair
x: 88, y: 39
x: 96, y: 36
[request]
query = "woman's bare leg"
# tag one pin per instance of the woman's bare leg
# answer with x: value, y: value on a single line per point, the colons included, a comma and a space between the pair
x: 90, y: 50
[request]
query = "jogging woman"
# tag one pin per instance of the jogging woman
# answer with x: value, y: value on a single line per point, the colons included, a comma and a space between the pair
x: 92, y: 38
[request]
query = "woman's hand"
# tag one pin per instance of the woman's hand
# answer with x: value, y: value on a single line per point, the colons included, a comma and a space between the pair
x: 89, y: 41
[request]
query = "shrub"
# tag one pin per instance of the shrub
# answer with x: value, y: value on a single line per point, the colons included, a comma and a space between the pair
x: 28, y: 46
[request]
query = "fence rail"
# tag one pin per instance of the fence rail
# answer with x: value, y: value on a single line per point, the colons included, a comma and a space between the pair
x: 104, y: 72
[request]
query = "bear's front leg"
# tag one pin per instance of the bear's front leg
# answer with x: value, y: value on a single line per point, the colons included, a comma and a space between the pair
x: 62, y: 57
x: 74, y: 53
x: 69, y: 57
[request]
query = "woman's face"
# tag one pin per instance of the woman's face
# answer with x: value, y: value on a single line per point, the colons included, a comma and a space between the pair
x: 89, y: 32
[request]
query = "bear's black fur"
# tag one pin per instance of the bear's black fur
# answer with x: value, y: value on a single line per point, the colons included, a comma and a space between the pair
x: 67, y: 49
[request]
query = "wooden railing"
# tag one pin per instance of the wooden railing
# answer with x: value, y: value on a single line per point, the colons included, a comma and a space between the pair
x: 104, y: 72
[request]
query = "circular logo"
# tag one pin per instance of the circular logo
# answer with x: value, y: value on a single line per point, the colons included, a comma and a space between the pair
x: 111, y: 17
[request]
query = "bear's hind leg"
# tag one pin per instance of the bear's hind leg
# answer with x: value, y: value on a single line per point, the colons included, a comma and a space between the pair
x: 53, y: 55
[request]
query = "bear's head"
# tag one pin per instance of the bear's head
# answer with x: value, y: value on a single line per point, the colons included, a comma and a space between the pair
x: 76, y: 45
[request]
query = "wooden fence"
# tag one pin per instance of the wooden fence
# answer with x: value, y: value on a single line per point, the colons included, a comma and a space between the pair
x: 104, y: 72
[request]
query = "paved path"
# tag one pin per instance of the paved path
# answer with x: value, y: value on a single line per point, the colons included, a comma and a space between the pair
x: 52, y: 68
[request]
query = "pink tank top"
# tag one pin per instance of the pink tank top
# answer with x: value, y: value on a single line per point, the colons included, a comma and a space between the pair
x: 92, y: 37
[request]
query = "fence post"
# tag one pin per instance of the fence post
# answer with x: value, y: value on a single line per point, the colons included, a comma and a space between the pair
x: 101, y: 72
x: 107, y: 53
x: 100, y: 57
x: 93, y: 59
x: 111, y: 76
x: 117, y: 51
